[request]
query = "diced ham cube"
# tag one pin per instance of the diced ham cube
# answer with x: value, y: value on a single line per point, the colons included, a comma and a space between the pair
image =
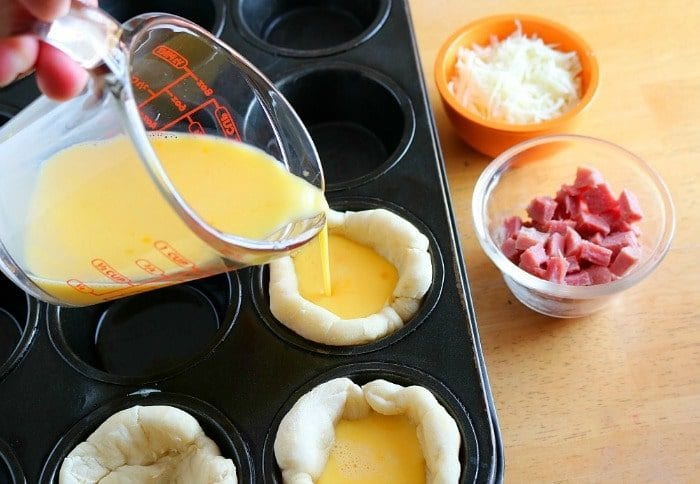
x: 599, y: 275
x: 617, y: 240
x: 600, y: 198
x: 572, y: 206
x: 572, y: 241
x: 559, y: 226
x: 627, y: 257
x: 612, y: 217
x: 622, y: 226
x: 629, y: 207
x: 532, y: 259
x: 556, y: 269
x: 596, y: 238
x: 529, y: 236
x: 541, y: 209
x: 589, y: 223
x: 583, y: 236
x: 595, y: 253
x: 512, y: 226
x: 578, y: 279
x: 566, y: 190
x: 573, y: 265
x: 556, y: 245
x: 509, y: 250
x: 587, y: 178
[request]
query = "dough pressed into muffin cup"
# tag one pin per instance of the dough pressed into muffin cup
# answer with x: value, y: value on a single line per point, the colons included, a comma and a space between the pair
x: 155, y: 444
x: 392, y: 237
x: 306, y: 434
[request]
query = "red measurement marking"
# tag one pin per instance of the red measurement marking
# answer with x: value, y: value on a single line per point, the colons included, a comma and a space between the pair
x: 150, y: 267
x: 148, y: 121
x: 110, y: 272
x: 173, y: 255
x: 206, y: 90
x: 195, y: 127
x: 228, y: 126
x: 224, y: 118
x: 170, y: 56
x: 81, y: 286
x: 166, y: 88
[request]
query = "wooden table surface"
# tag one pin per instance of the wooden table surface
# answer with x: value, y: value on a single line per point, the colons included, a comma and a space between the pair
x: 613, y: 397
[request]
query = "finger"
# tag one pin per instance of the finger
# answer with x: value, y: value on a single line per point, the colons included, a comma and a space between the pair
x: 57, y: 75
x: 46, y: 10
x: 17, y: 55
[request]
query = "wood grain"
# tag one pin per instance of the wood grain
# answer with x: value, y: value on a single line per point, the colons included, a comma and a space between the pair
x: 613, y: 397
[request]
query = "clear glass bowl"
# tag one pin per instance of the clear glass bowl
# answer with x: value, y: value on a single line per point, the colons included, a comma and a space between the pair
x: 539, y: 167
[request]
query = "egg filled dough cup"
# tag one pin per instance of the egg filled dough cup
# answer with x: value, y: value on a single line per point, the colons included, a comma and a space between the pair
x: 380, y: 270
x: 312, y: 445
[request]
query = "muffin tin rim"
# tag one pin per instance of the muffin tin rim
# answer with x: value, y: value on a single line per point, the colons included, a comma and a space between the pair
x: 244, y: 30
x: 196, y: 407
x: 430, y: 299
x: 9, y: 459
x: 61, y: 346
x: 388, y: 370
x: 393, y: 89
x: 24, y: 344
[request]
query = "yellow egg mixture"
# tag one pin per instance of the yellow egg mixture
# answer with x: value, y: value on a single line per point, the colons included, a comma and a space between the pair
x: 362, y: 282
x: 115, y: 234
x: 378, y: 449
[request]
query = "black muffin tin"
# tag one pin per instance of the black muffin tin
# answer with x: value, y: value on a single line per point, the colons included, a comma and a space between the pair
x: 211, y: 347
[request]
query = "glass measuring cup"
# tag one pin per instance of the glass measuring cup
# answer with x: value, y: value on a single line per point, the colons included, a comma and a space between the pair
x: 155, y: 73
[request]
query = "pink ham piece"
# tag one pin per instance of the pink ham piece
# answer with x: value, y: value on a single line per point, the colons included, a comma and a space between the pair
x: 509, y: 250
x: 556, y: 269
x: 573, y: 265
x: 627, y: 257
x: 587, y: 177
x: 541, y: 209
x: 600, y: 198
x: 595, y: 254
x: 618, y: 240
x: 599, y: 275
x: 573, y: 242
x: 529, y: 236
x: 559, y: 226
x: 590, y: 223
x: 532, y: 259
x: 578, y: 279
x: 596, y: 238
x: 630, y: 211
x: 555, y: 245
x: 582, y: 236
x: 512, y: 226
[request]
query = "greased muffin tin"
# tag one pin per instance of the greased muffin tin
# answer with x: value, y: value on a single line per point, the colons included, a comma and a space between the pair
x: 211, y: 347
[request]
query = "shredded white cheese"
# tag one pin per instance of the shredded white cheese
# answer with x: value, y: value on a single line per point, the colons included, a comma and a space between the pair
x: 519, y: 80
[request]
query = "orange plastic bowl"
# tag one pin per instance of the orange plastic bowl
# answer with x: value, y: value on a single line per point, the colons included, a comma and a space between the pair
x: 494, y: 137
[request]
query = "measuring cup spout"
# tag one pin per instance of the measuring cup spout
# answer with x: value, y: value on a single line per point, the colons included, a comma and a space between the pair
x: 86, y: 34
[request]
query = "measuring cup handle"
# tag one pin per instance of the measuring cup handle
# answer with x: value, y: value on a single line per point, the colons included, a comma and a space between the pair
x: 86, y: 34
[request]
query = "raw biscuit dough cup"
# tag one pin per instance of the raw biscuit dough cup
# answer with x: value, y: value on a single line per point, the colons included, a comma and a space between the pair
x: 218, y: 434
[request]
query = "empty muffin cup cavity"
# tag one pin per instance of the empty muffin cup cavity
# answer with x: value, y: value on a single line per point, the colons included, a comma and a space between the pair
x: 310, y: 28
x: 360, y: 121
x: 149, y: 336
x: 214, y: 423
x: 362, y: 373
x: 18, y: 325
x: 261, y: 295
x: 207, y: 14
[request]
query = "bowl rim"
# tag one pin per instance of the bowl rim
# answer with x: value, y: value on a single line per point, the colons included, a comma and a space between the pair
x: 532, y: 128
x: 482, y: 190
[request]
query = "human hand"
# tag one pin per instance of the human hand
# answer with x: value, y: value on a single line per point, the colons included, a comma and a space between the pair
x: 57, y: 75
